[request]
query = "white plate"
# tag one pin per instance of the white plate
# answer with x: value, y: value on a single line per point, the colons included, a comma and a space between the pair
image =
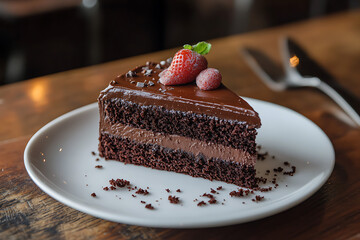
x: 58, y: 158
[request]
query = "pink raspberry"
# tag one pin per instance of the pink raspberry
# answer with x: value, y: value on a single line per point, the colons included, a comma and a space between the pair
x: 209, y: 79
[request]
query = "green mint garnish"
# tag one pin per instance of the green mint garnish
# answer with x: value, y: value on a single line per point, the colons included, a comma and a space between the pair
x: 201, y: 47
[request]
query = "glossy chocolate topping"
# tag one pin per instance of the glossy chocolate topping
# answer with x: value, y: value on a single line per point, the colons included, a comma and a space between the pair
x: 141, y: 86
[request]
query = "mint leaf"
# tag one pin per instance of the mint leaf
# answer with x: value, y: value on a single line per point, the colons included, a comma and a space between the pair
x: 187, y: 46
x: 201, y: 47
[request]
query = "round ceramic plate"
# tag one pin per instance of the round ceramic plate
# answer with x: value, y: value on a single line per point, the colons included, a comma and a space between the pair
x: 59, y: 159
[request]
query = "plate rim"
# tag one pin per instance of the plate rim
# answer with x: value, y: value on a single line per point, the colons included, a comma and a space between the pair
x: 44, y: 186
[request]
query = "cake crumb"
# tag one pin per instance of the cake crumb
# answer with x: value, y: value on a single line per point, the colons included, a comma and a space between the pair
x: 149, y: 206
x: 119, y: 182
x: 98, y: 166
x: 142, y: 191
x: 208, y: 195
x: 168, y: 190
x: 106, y: 188
x: 93, y: 194
x: 212, y: 201
x: 239, y: 193
x: 97, y: 159
x: 257, y: 198
x: 143, y: 202
x: 173, y: 199
x: 212, y: 190
x: 178, y: 190
x: 219, y: 188
x: 93, y: 153
x: 201, y: 203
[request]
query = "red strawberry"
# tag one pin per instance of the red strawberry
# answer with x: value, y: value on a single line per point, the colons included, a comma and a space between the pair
x: 184, y: 68
x: 209, y: 79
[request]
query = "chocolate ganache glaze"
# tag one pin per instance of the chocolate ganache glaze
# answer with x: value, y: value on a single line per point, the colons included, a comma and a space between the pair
x: 141, y: 85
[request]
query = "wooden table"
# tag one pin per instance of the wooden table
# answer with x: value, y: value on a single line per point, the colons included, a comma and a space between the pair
x: 332, y: 213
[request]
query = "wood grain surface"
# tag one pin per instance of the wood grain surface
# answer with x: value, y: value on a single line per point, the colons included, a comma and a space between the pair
x: 331, y: 213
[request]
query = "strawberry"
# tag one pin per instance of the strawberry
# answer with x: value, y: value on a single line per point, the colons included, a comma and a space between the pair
x: 186, y: 65
x: 209, y: 79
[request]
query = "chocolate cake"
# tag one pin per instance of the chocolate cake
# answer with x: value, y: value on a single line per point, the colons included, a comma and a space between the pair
x: 207, y: 134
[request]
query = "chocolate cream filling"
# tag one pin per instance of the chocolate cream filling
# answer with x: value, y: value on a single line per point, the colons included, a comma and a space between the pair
x: 176, y: 142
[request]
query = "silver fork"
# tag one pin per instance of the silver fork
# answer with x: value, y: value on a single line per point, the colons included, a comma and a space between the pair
x: 299, y: 70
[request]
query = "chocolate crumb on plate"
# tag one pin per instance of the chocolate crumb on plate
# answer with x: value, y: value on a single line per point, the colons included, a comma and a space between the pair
x: 219, y: 188
x: 93, y: 194
x: 98, y: 166
x: 257, y: 198
x: 149, y: 206
x: 119, y: 182
x: 212, y: 190
x: 201, y: 203
x: 168, y: 190
x: 173, y: 199
x: 212, y: 201
x: 106, y: 188
x: 93, y: 153
x: 178, y: 190
x: 208, y: 195
x: 142, y: 191
x: 239, y: 193
x: 143, y: 202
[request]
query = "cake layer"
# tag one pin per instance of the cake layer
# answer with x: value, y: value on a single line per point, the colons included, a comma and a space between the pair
x: 162, y: 158
x: 141, y: 86
x: 188, y: 124
x: 176, y: 142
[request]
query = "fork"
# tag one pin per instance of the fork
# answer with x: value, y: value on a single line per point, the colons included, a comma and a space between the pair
x: 299, y: 70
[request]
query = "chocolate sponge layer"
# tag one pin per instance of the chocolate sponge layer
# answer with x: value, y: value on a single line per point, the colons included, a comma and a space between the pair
x: 157, y: 157
x: 197, y: 126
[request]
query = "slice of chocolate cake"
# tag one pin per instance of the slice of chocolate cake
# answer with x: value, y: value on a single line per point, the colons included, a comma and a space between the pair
x: 208, y: 134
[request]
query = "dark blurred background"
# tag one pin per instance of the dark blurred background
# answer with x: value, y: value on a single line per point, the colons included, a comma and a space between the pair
x: 39, y: 37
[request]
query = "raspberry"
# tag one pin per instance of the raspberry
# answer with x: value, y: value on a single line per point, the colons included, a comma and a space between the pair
x: 209, y: 79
